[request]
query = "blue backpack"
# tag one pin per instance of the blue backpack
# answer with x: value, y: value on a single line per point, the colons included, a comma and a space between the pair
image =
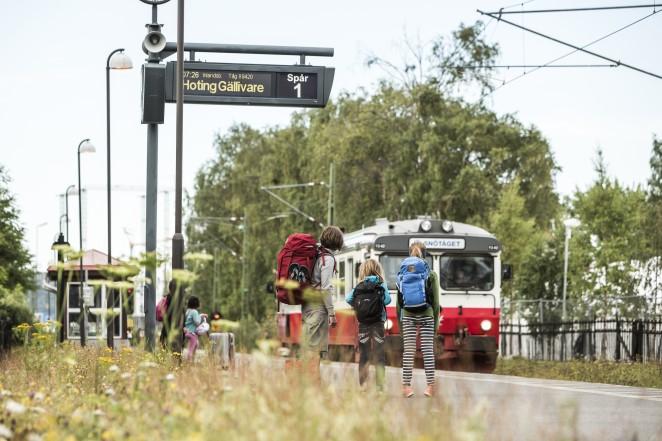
x: 412, y: 281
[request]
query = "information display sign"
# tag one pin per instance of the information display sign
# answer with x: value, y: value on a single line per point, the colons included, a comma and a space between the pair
x: 251, y: 84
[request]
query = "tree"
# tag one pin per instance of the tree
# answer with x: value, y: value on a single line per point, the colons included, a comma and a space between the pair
x: 15, y: 270
x: 609, y: 247
x: 464, y: 59
x: 16, y: 274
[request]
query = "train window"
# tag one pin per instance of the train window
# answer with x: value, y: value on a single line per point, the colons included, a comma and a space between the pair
x: 462, y: 272
x: 341, y: 278
x: 391, y: 264
x: 357, y: 265
x: 350, y: 275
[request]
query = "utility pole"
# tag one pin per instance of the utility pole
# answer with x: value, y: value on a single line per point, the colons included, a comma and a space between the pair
x: 152, y: 115
x: 332, y: 201
x: 244, y: 265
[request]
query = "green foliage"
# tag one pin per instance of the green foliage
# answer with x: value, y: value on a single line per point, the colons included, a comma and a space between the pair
x: 608, y: 247
x: 14, y: 311
x: 15, y: 268
x: 397, y: 154
x: 628, y: 374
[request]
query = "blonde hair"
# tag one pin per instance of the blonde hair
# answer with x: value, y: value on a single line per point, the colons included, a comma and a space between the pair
x: 371, y: 268
x: 417, y: 249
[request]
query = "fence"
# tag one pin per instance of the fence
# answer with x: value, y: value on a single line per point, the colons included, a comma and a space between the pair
x: 609, y: 339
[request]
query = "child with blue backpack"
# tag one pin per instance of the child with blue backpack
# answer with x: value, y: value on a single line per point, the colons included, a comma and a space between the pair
x: 418, y: 308
x: 369, y: 299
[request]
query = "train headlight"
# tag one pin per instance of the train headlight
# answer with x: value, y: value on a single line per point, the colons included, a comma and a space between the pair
x: 426, y: 226
x: 388, y: 324
x: 486, y: 325
x: 447, y: 226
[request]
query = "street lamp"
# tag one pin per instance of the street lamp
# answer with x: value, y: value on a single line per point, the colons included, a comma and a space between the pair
x: 117, y: 59
x: 84, y: 147
x: 66, y: 205
x: 569, y: 225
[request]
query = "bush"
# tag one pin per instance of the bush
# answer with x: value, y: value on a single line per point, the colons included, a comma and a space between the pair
x: 13, y: 312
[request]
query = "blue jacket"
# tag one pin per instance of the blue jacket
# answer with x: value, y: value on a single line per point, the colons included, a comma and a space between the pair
x: 387, y: 297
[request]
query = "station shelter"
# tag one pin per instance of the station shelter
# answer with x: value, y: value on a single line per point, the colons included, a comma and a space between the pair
x: 96, y: 306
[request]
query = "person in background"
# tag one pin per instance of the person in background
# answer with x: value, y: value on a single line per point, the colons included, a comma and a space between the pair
x: 317, y: 311
x: 216, y: 322
x: 424, y: 319
x: 192, y: 319
x: 369, y: 299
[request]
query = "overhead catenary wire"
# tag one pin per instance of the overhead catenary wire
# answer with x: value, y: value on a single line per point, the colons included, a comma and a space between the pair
x: 526, y: 66
x: 576, y: 48
x: 503, y: 11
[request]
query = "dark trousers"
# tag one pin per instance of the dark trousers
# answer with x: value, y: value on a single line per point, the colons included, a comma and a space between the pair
x: 371, y: 347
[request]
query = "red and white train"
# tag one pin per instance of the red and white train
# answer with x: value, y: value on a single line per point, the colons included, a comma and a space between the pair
x: 468, y: 262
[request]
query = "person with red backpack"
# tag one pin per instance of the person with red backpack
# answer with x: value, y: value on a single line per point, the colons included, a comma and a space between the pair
x: 305, y: 277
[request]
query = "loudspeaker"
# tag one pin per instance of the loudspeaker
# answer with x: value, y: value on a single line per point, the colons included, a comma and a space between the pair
x: 154, y: 41
x: 153, y: 93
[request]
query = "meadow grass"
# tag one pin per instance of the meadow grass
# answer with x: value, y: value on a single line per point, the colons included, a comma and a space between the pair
x: 623, y: 373
x: 65, y: 392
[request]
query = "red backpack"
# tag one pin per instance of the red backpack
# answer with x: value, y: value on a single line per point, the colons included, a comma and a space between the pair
x: 296, y: 261
x: 162, y: 308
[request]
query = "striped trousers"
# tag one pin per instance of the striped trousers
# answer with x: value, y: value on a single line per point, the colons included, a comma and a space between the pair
x: 409, y: 325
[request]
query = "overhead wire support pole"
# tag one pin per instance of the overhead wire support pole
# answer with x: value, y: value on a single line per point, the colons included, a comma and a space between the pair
x: 587, y: 9
x: 498, y: 17
x: 295, y: 209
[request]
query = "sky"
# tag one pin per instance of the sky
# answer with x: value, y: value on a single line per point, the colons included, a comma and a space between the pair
x: 52, y: 92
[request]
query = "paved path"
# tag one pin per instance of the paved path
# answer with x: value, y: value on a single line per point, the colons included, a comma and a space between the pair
x: 517, y: 408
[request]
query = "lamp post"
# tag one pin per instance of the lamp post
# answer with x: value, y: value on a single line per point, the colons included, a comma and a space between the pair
x: 84, y: 147
x: 569, y: 225
x: 60, y: 246
x: 66, y: 205
x: 118, y: 60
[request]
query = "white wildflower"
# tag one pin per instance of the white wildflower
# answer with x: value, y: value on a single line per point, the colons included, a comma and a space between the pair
x: 98, y: 413
x: 148, y: 364
x: 125, y: 375
x: 110, y: 392
x: 34, y: 437
x: 5, y: 432
x: 39, y: 396
x: 14, y: 407
x: 114, y: 368
x: 169, y: 377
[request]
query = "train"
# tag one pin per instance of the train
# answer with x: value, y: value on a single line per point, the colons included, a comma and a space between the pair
x: 467, y: 259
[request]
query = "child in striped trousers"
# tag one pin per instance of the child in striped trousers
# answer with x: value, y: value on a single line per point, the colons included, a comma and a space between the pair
x: 424, y: 322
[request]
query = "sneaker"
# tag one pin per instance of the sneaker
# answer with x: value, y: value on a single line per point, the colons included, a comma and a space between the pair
x: 407, y: 391
x: 429, y: 391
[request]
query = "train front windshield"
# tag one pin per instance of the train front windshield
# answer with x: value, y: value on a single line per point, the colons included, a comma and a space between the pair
x: 460, y: 272
x: 391, y: 265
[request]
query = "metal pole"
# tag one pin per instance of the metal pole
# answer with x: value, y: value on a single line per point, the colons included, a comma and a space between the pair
x: 244, y: 266
x: 81, y: 304
x: 178, y: 238
x: 565, y: 268
x: 110, y: 329
x: 332, y: 202
x: 150, y: 233
x: 66, y: 206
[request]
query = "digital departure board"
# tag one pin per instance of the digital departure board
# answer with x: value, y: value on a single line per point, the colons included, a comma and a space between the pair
x: 252, y: 84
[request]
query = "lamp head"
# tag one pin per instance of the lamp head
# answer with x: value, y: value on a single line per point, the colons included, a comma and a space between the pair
x: 87, y: 147
x: 120, y: 60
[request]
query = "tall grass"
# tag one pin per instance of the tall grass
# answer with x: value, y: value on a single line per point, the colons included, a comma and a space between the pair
x: 627, y: 374
x: 67, y: 392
